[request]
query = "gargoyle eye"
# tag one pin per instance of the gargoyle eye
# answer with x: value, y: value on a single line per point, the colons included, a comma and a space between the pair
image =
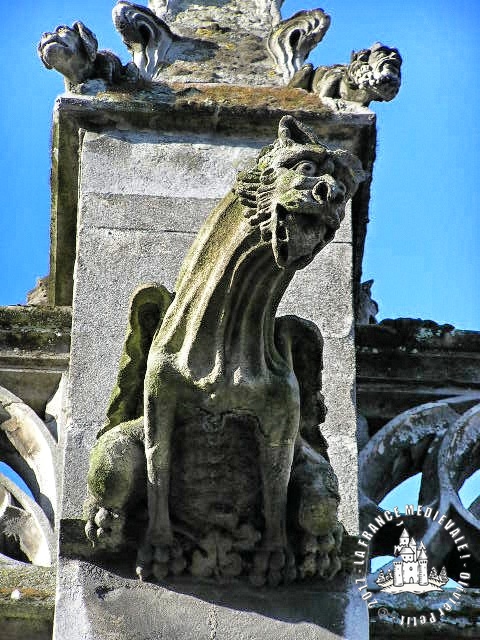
x: 307, y: 167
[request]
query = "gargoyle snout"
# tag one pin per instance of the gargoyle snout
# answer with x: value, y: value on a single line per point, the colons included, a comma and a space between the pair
x: 329, y: 190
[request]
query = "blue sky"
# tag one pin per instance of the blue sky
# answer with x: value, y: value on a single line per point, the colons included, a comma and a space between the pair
x: 424, y: 235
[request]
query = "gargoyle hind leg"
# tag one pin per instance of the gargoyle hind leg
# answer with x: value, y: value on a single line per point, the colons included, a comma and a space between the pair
x: 274, y: 562
x: 154, y: 555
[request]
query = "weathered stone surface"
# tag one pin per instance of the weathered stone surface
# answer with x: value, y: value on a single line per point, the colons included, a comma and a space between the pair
x: 406, y: 362
x: 120, y: 259
x: 141, y: 212
x: 27, y: 600
x: 327, y: 299
x: 328, y: 305
x: 245, y: 113
x: 230, y: 41
x: 107, y: 606
x: 185, y: 167
x: 34, y: 351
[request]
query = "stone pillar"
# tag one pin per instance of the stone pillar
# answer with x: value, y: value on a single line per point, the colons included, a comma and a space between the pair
x: 143, y: 193
x: 151, y: 163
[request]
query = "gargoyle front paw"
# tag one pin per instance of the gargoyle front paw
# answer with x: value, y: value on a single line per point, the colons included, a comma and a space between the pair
x: 321, y: 555
x: 272, y: 567
x: 105, y: 527
x: 160, y: 560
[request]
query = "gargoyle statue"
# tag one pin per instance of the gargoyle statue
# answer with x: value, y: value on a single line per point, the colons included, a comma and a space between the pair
x: 73, y: 52
x: 367, y: 307
x: 373, y: 74
x: 217, y: 404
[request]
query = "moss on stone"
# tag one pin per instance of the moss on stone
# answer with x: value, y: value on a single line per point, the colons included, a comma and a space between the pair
x: 284, y: 98
x: 32, y: 328
x: 33, y: 600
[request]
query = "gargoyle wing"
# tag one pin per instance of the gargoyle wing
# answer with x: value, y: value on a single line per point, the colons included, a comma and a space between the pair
x: 304, y: 341
x: 147, y: 310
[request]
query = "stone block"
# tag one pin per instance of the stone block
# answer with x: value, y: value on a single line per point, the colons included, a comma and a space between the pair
x: 147, y: 213
x: 111, y: 264
x: 190, y: 166
x: 323, y: 292
x: 106, y: 606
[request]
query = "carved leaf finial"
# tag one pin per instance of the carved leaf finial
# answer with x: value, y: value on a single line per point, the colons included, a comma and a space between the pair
x: 291, y: 41
x: 159, y: 7
x: 146, y: 36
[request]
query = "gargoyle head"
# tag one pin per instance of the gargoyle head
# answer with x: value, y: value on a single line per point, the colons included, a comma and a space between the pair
x: 377, y: 71
x: 297, y: 193
x: 69, y: 50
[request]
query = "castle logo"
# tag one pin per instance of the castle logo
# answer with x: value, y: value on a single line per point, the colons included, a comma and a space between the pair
x: 410, y: 570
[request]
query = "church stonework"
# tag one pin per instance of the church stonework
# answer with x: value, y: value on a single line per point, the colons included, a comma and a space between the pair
x: 206, y: 474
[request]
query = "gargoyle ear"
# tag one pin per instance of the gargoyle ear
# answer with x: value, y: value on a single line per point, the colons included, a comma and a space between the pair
x: 88, y: 38
x: 352, y: 172
x: 362, y: 55
x: 290, y: 131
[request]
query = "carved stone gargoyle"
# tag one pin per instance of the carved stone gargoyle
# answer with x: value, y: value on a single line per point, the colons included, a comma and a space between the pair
x: 373, y: 74
x: 214, y: 422
x: 73, y: 52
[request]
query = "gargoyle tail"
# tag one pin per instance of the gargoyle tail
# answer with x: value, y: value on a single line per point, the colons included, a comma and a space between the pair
x: 147, y: 309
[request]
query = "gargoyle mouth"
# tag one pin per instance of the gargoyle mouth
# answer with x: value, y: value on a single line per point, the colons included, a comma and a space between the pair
x: 53, y: 39
x: 294, y: 233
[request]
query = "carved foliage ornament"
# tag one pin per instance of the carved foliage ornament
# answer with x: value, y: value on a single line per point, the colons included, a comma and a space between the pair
x: 147, y: 37
x: 291, y: 41
x: 217, y: 431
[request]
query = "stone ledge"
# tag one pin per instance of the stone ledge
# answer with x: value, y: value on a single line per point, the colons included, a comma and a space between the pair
x: 34, y: 351
x: 404, y: 363
x: 36, y: 329
x: 112, y: 606
x: 29, y: 613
